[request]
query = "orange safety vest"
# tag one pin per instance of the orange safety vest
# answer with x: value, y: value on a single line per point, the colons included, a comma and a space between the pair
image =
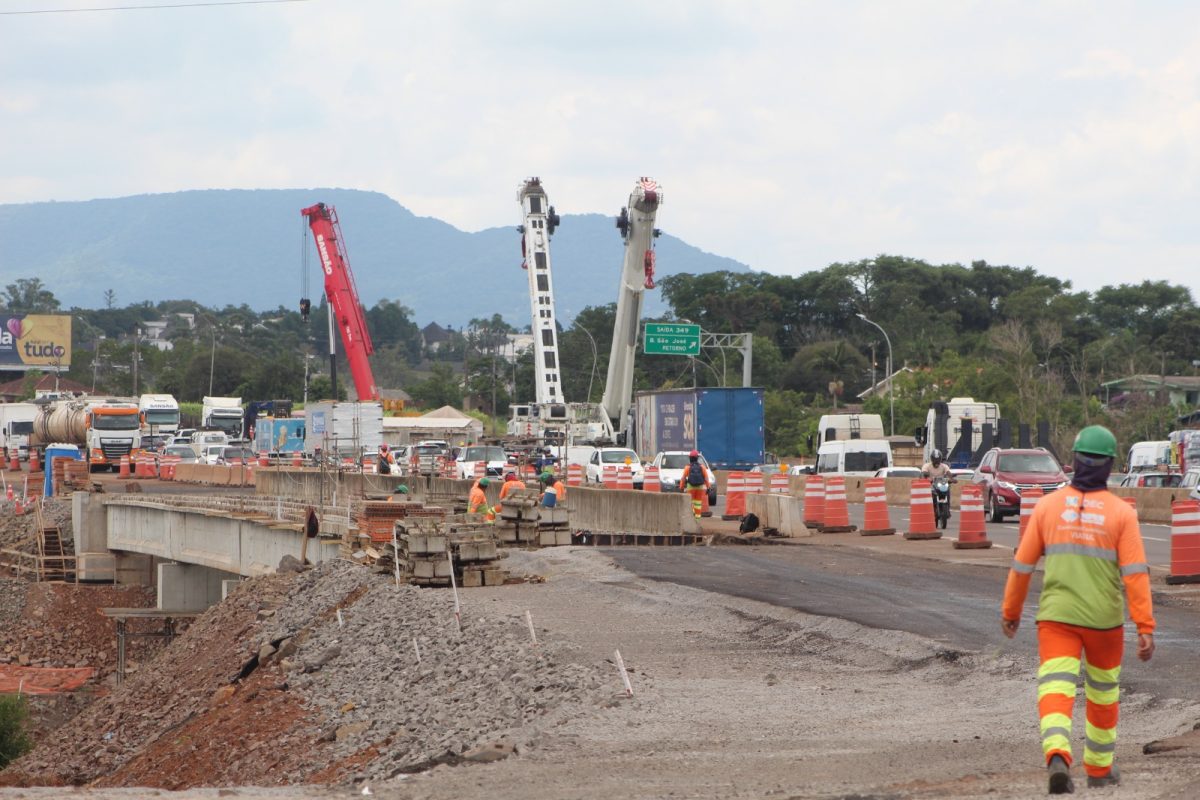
x: 1093, y: 545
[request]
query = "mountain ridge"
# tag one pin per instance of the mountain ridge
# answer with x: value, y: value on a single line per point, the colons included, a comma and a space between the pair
x: 243, y: 246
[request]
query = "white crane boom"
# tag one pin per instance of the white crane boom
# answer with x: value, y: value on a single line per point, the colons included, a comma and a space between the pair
x: 636, y: 223
x: 539, y: 224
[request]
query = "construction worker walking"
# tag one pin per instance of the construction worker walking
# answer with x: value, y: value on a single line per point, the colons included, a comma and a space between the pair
x: 1093, y: 545
x: 695, y: 477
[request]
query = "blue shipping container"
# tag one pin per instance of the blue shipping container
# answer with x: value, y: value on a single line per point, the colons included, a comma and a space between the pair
x: 725, y: 424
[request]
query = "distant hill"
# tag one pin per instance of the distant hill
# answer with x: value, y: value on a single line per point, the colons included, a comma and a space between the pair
x: 234, y: 247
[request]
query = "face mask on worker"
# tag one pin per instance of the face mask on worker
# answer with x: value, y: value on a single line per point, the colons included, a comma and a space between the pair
x: 1091, y: 472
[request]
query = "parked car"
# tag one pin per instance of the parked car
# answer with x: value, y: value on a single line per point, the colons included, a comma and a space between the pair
x: 1004, y: 474
x: 1151, y: 480
x: 898, y: 472
x: 615, y: 457
x: 672, y: 464
x: 184, y: 452
x: 1191, y: 482
x: 493, y: 455
x: 236, y: 454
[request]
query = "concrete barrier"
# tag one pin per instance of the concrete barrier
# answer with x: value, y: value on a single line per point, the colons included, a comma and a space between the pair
x: 308, y: 485
x: 630, y: 512
x: 780, y: 512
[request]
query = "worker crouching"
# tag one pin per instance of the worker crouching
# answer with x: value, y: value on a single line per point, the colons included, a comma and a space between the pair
x: 477, y: 502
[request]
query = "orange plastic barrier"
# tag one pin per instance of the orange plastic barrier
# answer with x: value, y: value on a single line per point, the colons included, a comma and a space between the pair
x: 875, y: 509
x: 837, y: 513
x: 42, y: 680
x: 480, y: 469
x: 296, y: 460
x: 574, y: 475
x: 625, y: 478
x: 1185, y: 542
x: 814, y: 501
x: 14, y: 460
x: 651, y: 481
x: 610, y: 476
x: 263, y: 458
x: 972, y: 532
x: 1029, y: 499
x: 735, y: 496
x: 779, y: 483
x: 921, y: 524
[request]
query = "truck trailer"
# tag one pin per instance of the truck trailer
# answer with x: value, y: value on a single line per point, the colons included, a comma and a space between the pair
x: 347, y: 430
x: 16, y: 426
x: 725, y: 424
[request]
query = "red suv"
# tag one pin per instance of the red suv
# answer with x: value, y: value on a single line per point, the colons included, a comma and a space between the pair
x: 1004, y: 474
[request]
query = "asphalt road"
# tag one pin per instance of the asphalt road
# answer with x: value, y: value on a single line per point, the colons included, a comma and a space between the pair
x: 956, y: 604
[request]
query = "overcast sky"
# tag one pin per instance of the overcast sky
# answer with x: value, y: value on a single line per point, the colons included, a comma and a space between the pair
x: 788, y: 135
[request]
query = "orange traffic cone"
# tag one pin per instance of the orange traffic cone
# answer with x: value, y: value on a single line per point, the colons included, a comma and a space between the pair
x: 1029, y: 499
x: 735, y: 496
x: 610, y: 476
x: 921, y: 524
x: 296, y: 461
x: 35, y: 463
x: 625, y: 478
x: 8, y: 492
x: 14, y: 460
x: 264, y: 459
x: 972, y: 534
x: 814, y: 501
x: 1185, y: 542
x: 650, y: 480
x: 779, y: 483
x: 875, y: 509
x: 837, y: 513
x: 574, y: 475
x: 124, y: 473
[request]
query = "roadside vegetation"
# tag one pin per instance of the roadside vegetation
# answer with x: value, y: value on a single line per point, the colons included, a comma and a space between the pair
x: 1026, y: 341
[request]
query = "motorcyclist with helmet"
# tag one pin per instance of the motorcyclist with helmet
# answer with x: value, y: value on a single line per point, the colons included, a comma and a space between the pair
x: 935, y: 467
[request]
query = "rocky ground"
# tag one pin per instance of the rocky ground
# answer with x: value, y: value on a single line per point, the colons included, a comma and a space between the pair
x: 731, y: 698
x: 16, y: 529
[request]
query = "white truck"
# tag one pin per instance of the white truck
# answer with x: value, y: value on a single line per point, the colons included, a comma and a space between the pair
x: 345, y: 430
x: 160, y: 415
x: 223, y: 413
x: 843, y: 427
x: 16, y: 426
x: 959, y: 409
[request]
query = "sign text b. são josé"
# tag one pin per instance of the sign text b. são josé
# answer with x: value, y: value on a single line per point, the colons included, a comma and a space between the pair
x: 672, y: 339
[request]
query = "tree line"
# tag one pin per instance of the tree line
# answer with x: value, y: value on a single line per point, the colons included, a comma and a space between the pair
x: 1027, y: 341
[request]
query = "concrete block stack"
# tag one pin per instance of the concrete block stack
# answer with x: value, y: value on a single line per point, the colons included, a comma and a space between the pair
x: 518, y: 520
x: 553, y: 527
x: 425, y: 546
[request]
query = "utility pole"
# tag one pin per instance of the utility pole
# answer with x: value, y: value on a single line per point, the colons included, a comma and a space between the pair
x: 137, y: 334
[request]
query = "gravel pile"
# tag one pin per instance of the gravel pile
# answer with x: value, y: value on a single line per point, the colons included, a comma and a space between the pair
x: 475, y: 695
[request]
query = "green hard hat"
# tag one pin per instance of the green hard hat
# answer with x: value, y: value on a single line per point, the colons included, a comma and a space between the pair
x: 1096, y: 440
x: 484, y: 481
x: 401, y: 489
x: 546, y: 477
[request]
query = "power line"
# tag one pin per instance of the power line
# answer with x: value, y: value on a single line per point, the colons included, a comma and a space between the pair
x: 150, y: 8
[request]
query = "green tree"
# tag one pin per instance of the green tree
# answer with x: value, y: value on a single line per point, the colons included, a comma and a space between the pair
x: 442, y: 388
x: 29, y: 296
x: 14, y: 741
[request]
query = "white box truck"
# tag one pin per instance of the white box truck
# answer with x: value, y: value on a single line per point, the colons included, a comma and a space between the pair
x: 223, y: 414
x: 347, y: 430
x: 160, y: 415
x: 16, y: 426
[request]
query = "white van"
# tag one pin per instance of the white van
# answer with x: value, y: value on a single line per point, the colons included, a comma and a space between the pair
x: 1145, y: 456
x: 854, y: 457
x: 842, y: 427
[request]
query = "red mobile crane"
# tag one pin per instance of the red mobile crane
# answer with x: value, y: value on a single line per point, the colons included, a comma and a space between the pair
x: 344, y: 305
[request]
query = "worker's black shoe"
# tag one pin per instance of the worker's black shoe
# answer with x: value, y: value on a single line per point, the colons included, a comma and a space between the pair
x: 1111, y: 779
x: 1060, y: 776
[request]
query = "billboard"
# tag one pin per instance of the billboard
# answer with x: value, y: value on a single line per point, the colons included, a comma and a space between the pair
x: 35, y: 341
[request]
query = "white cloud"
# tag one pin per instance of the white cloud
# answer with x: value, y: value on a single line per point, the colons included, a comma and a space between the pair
x: 1060, y: 135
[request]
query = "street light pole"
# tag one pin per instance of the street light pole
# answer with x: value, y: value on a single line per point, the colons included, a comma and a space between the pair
x: 891, y: 394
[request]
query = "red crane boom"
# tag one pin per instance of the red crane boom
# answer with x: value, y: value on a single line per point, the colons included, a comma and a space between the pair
x: 343, y: 297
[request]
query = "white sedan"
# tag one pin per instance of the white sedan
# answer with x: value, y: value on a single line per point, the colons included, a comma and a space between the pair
x: 613, y: 457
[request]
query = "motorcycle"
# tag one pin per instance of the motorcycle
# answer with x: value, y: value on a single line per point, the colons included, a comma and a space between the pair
x: 941, y: 501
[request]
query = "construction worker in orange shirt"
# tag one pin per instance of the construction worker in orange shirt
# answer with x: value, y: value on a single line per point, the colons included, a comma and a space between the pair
x: 477, y: 502
x: 510, y: 485
x: 553, y: 491
x: 1093, y: 547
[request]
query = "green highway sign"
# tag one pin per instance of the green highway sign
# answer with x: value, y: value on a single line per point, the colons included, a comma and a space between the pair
x: 671, y: 339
